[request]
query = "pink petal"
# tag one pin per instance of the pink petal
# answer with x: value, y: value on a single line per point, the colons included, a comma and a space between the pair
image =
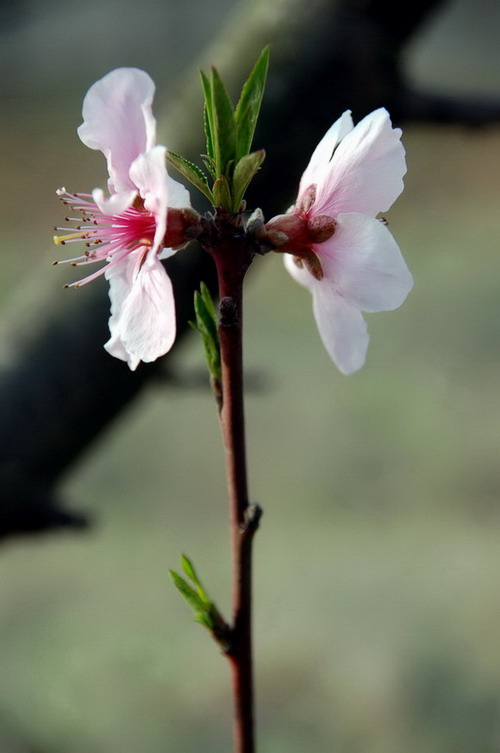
x: 115, y: 204
x: 319, y: 162
x: 158, y: 189
x: 363, y: 262
x: 145, y: 324
x: 341, y: 326
x: 366, y: 172
x: 117, y: 119
x: 149, y: 173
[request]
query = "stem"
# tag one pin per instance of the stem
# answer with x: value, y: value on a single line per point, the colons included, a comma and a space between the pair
x: 244, y: 518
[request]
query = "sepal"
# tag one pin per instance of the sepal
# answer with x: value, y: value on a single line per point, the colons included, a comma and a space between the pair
x: 222, y: 193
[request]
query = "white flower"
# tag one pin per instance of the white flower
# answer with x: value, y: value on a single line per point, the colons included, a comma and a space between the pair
x: 128, y: 229
x: 336, y: 247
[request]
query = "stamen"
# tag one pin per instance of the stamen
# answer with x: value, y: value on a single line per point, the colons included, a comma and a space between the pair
x: 69, y: 261
x: 60, y: 240
x: 108, y: 238
x: 95, y: 275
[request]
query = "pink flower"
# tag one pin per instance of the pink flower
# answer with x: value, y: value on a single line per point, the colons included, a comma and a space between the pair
x: 128, y: 229
x: 338, y: 249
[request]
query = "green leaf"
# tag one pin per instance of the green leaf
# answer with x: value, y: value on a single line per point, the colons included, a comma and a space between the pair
x: 189, y: 570
x: 206, y: 325
x: 208, y: 114
x: 247, y: 110
x: 207, y: 299
x: 208, y: 132
x: 191, y: 172
x: 204, y: 319
x: 223, y: 127
x: 222, y: 194
x: 188, y: 592
x: 243, y: 174
x: 209, y: 164
x: 205, y: 611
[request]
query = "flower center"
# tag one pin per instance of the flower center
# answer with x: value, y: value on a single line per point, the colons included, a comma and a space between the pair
x: 108, y: 238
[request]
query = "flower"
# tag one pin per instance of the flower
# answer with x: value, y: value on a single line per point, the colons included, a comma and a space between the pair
x: 335, y: 244
x: 128, y: 229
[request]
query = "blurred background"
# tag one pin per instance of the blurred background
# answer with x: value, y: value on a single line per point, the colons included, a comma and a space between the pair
x: 377, y: 564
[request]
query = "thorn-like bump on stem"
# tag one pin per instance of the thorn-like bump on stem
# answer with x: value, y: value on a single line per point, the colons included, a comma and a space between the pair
x: 252, y: 517
x: 228, y: 312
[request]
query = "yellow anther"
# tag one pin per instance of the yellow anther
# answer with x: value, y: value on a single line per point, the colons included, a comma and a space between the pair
x: 60, y: 240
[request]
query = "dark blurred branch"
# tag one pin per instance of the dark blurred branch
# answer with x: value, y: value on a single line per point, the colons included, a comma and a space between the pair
x: 59, y: 387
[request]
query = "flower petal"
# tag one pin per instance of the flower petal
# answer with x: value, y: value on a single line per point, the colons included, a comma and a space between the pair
x: 366, y: 172
x: 159, y: 191
x: 364, y: 264
x: 143, y: 325
x: 118, y: 120
x: 299, y: 273
x: 341, y: 326
x: 149, y: 174
x: 319, y: 162
x: 115, y: 204
x: 178, y: 195
x: 120, y: 277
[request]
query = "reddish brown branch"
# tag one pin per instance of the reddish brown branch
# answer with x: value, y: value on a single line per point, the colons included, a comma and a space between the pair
x: 232, y: 259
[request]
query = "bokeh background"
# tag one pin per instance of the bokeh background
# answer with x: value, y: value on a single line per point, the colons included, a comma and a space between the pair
x: 377, y: 565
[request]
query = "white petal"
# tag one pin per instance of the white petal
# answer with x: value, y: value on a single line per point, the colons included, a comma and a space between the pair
x: 118, y: 120
x: 116, y: 203
x: 318, y: 164
x: 121, y: 277
x: 166, y: 253
x: 342, y: 328
x: 178, y: 195
x: 363, y: 262
x: 149, y: 174
x: 159, y: 191
x: 147, y: 324
x: 300, y: 274
x: 366, y: 172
